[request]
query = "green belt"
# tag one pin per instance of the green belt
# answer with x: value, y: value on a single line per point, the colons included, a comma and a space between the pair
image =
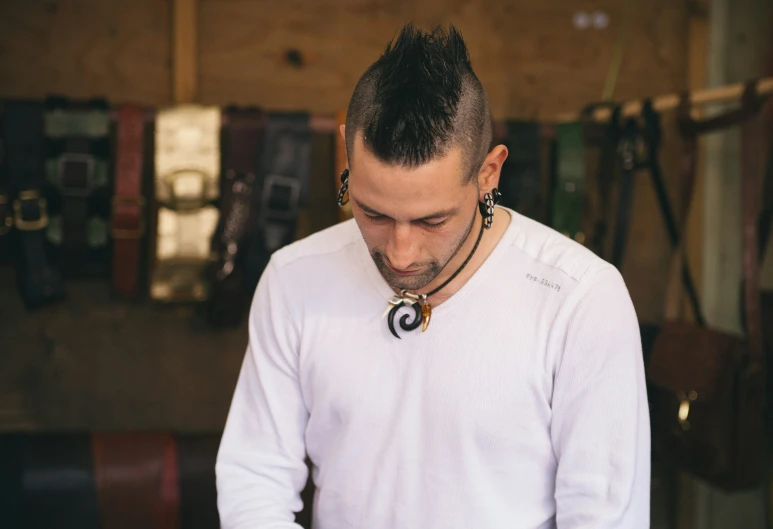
x: 74, y: 133
x: 569, y: 192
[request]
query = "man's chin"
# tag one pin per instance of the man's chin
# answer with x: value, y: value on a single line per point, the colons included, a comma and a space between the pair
x: 412, y: 282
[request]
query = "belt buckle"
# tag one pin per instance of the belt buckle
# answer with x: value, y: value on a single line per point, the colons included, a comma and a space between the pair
x: 77, y: 158
x: 30, y: 225
x: 129, y: 233
x: 272, y: 182
x: 6, y: 216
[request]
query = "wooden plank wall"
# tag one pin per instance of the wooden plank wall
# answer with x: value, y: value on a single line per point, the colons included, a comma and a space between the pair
x: 532, y: 60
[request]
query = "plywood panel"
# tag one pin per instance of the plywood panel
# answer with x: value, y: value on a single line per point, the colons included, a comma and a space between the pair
x: 528, y: 54
x: 85, y: 48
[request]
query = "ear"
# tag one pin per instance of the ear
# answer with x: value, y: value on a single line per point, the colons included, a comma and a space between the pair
x: 488, y: 177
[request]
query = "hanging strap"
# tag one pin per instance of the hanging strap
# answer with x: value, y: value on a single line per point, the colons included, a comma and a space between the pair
x: 752, y: 170
x: 128, y: 203
x: 629, y: 140
x: 6, y: 204
x: 77, y: 156
x: 40, y: 283
x: 602, y: 138
x: 241, y: 158
x: 569, y: 194
x: 652, y: 134
x: 283, y: 185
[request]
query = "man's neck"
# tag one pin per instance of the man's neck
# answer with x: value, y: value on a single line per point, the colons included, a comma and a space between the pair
x: 487, y: 244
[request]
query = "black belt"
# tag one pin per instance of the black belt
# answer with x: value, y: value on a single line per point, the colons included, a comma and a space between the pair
x: 521, y: 183
x: 40, y: 283
x: 241, y: 156
x: 283, y: 186
x: 6, y: 205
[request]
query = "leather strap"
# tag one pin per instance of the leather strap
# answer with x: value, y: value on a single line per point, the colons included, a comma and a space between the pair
x: 521, y: 183
x: 128, y: 204
x: 283, y: 184
x: 187, y: 182
x: 58, y: 482
x: 752, y: 170
x: 6, y: 204
x: 197, y: 454
x: 77, y: 165
x: 569, y: 194
x: 39, y: 282
x: 243, y: 135
x: 136, y: 480
x: 601, y: 142
x: 629, y: 141
x: 12, y: 479
x: 341, y: 163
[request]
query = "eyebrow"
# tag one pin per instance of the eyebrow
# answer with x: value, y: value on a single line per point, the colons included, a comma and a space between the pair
x: 437, y: 215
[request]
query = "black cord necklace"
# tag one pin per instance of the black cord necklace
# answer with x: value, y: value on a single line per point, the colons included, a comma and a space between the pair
x: 421, y: 307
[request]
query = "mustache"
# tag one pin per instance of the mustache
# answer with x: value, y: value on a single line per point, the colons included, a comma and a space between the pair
x: 383, y: 260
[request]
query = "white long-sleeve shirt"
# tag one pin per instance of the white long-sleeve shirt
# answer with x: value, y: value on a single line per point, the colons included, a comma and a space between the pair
x: 523, y: 405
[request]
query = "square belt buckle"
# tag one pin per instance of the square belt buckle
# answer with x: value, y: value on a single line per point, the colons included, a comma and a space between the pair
x: 40, y: 222
x: 70, y: 158
x: 272, y: 183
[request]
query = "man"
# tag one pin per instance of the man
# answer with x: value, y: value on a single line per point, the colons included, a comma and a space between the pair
x: 443, y: 362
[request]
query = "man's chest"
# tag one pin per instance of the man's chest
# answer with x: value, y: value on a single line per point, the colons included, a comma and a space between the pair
x: 485, y: 390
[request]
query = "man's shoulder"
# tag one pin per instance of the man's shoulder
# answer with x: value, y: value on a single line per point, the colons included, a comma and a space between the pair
x: 325, y: 243
x: 547, y: 247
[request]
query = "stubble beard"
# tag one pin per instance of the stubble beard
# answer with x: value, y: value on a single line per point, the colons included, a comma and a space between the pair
x: 432, y: 268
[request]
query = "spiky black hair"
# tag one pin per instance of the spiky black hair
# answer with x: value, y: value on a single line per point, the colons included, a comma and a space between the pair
x: 419, y: 99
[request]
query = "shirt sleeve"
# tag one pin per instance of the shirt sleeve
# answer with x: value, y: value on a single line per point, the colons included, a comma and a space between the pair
x: 260, y: 468
x: 600, y: 423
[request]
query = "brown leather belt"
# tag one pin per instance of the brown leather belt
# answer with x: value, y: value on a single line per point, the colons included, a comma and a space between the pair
x: 136, y: 480
x: 128, y: 204
x: 110, y: 480
x: 243, y: 134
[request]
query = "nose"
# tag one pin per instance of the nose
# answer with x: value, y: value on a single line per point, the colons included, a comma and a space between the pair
x: 402, y: 249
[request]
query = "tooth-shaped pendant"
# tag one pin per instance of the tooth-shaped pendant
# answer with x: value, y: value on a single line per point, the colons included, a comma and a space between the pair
x: 426, y: 314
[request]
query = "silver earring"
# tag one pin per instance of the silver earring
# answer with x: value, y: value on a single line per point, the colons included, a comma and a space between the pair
x: 344, y: 188
x: 487, y: 208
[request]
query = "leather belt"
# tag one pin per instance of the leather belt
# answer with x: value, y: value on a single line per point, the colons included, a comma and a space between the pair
x: 521, y: 183
x: 136, y: 480
x: 283, y: 185
x: 187, y: 180
x: 40, y: 283
x: 243, y: 136
x: 128, y: 204
x: 341, y: 163
x: 77, y: 165
x: 6, y: 204
x: 196, y: 456
x: 569, y: 193
x: 58, y: 483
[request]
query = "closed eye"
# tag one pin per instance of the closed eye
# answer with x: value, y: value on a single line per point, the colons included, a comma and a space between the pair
x: 433, y: 224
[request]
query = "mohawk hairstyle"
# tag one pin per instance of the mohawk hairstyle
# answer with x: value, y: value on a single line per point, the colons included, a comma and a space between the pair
x: 420, y: 99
